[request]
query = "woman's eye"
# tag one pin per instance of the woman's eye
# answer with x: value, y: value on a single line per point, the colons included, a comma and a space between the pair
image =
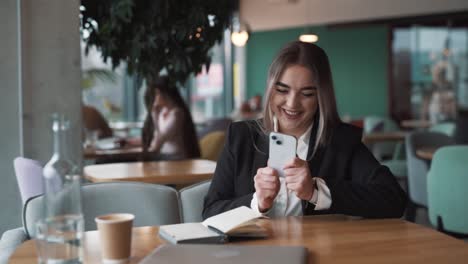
x: 308, y: 94
x: 281, y: 90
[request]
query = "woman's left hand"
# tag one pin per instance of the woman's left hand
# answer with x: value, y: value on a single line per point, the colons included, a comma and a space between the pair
x: 298, y: 179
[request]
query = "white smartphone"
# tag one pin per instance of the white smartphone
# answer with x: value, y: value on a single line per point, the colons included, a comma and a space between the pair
x: 282, y: 151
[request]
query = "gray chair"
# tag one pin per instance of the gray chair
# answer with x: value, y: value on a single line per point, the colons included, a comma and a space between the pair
x: 151, y: 204
x: 29, y: 177
x: 418, y: 168
x: 9, y: 241
x: 373, y: 124
x: 191, y: 199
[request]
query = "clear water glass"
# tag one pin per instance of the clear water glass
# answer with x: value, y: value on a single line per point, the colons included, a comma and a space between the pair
x: 60, y: 239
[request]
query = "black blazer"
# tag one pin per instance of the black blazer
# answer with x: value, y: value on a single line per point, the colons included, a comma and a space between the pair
x: 359, y: 185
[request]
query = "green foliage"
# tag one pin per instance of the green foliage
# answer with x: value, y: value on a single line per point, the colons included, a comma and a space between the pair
x: 151, y: 35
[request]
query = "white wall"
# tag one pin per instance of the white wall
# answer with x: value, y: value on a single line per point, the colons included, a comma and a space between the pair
x: 48, y: 81
x: 276, y: 14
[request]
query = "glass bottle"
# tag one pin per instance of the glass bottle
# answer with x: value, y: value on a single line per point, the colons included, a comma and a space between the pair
x: 61, y: 231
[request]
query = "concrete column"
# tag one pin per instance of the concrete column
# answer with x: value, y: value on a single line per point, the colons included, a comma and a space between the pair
x: 40, y: 73
x: 10, y: 115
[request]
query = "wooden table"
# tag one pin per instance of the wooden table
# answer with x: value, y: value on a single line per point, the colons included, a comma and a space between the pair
x: 160, y: 172
x: 416, y: 124
x: 329, y: 239
x: 383, y: 136
x: 118, y: 153
x: 426, y: 153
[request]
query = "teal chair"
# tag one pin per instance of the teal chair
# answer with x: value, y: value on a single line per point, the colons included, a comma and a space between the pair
x: 446, y: 189
x: 418, y: 168
x: 191, y: 201
x: 447, y: 128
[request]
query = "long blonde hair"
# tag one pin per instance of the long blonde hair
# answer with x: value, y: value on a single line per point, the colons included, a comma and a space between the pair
x: 315, y: 59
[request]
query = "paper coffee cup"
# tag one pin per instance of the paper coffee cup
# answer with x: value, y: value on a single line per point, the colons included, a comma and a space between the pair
x: 115, y: 234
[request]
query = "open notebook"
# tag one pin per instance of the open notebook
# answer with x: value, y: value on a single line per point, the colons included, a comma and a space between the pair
x: 238, y: 222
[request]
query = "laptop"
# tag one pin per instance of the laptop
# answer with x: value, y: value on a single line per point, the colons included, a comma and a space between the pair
x: 226, y: 254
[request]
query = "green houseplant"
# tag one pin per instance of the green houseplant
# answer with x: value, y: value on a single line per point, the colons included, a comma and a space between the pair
x: 152, y: 35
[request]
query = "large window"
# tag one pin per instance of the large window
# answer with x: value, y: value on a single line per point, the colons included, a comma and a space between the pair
x: 430, y: 63
x: 209, y: 91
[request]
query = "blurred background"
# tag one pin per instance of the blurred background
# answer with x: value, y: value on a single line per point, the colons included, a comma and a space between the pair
x: 399, y: 59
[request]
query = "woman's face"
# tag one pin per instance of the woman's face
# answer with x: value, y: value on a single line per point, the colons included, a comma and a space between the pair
x: 294, y: 100
x: 160, y: 100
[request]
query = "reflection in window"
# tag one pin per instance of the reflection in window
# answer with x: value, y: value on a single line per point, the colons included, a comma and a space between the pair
x: 207, y: 90
x: 429, y: 68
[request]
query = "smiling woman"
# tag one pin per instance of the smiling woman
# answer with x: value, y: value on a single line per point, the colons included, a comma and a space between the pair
x: 333, y: 173
x: 293, y: 100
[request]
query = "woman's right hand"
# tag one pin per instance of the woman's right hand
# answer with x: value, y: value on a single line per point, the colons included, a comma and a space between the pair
x: 267, y: 186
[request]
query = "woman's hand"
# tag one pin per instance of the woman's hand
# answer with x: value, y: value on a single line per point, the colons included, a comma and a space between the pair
x: 298, y: 179
x: 267, y: 186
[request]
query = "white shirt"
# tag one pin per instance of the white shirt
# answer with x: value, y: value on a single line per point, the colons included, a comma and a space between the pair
x: 286, y: 202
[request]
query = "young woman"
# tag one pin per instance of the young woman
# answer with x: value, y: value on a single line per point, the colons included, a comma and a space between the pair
x: 333, y: 171
x: 168, y: 132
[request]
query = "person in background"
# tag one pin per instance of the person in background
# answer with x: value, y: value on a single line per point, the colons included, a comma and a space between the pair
x: 168, y: 131
x: 333, y: 173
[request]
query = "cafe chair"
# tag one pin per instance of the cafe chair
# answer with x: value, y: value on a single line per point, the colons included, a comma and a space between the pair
x: 212, y: 144
x: 191, y: 201
x: 10, y: 240
x: 446, y: 188
x: 418, y: 168
x: 399, y: 169
x: 372, y: 124
x: 29, y: 177
x: 447, y: 128
x: 216, y: 124
x: 151, y: 204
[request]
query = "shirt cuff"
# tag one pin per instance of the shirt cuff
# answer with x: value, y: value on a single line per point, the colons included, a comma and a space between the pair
x: 321, y: 197
x: 254, y: 205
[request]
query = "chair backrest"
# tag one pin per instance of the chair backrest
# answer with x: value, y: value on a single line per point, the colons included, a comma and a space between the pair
x: 212, y: 144
x: 191, y: 201
x: 217, y: 124
x: 380, y: 124
x: 418, y: 168
x: 29, y: 177
x: 151, y: 204
x: 446, y: 186
x: 447, y: 128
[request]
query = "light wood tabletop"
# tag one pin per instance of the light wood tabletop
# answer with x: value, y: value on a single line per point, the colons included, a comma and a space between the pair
x: 426, y: 153
x: 383, y: 136
x: 329, y: 239
x: 160, y: 172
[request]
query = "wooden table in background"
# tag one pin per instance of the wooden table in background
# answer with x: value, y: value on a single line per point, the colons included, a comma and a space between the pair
x: 383, y: 136
x: 415, y: 124
x: 160, y: 172
x: 329, y: 239
x: 426, y: 153
x: 118, y: 153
